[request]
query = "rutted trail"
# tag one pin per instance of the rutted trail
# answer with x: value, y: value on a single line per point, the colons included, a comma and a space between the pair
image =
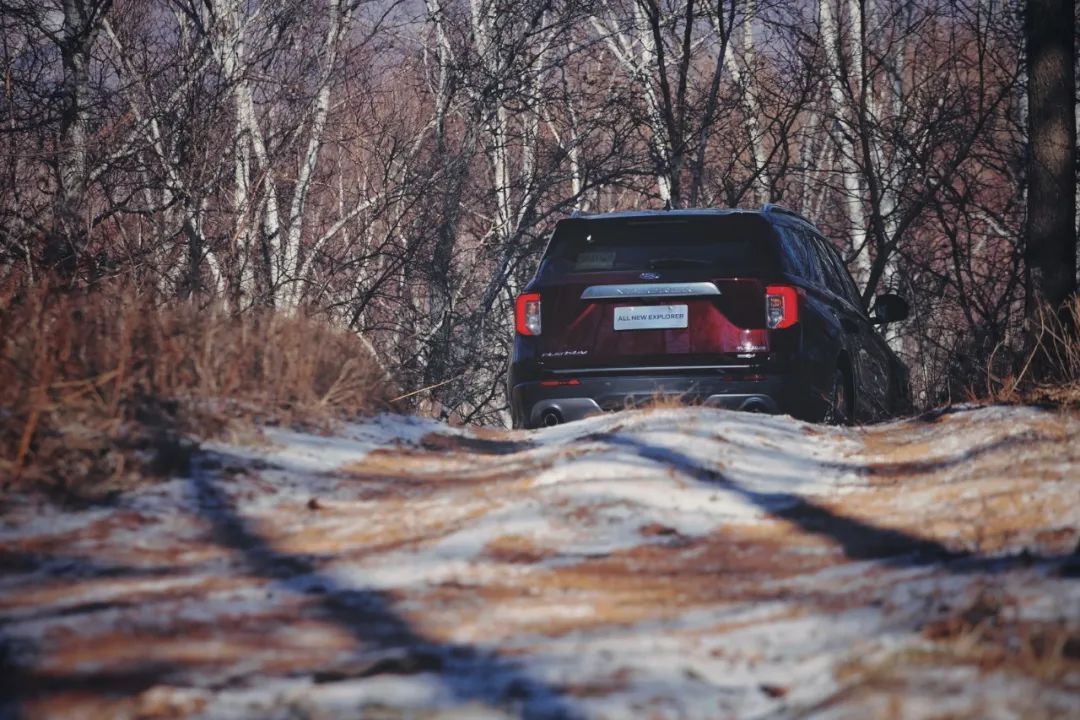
x: 669, y: 563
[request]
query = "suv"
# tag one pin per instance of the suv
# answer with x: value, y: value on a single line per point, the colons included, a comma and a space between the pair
x: 743, y: 309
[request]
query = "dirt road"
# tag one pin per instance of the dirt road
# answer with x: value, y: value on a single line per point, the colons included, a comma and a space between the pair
x: 658, y: 564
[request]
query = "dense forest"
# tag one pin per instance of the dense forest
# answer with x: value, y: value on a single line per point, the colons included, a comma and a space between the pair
x: 395, y: 166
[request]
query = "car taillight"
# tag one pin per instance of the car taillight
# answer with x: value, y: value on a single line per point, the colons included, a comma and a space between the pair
x: 527, y: 314
x: 781, y: 307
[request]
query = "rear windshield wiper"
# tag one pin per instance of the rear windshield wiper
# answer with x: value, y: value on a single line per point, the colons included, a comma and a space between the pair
x: 674, y: 262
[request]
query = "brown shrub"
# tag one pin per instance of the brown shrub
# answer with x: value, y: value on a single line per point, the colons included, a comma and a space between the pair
x: 106, y: 384
x: 1050, y: 369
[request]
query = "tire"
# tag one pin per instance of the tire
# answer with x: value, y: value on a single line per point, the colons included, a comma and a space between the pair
x: 841, y: 400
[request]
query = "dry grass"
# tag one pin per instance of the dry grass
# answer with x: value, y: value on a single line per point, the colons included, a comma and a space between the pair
x: 1050, y: 372
x: 99, y: 388
x: 662, y: 401
x: 989, y: 632
x: 984, y: 633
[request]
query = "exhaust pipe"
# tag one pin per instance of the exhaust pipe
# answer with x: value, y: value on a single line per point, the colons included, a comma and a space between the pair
x: 754, y: 405
x: 550, y: 418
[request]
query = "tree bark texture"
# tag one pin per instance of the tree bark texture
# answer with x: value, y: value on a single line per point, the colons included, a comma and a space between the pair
x: 1051, y: 162
x: 66, y: 237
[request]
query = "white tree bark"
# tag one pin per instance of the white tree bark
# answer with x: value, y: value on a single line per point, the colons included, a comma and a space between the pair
x: 637, y: 55
x: 294, y: 270
x: 176, y: 193
x: 833, y: 40
x: 751, y: 105
x: 283, y: 233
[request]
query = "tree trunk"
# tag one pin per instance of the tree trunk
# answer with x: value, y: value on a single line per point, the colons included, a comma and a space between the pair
x: 67, y: 234
x: 1051, y: 202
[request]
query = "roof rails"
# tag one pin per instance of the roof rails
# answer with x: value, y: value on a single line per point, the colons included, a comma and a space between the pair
x: 774, y: 208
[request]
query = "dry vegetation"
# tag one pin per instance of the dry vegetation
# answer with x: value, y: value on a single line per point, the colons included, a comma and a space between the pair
x: 399, y: 166
x: 106, y: 386
x: 1050, y: 371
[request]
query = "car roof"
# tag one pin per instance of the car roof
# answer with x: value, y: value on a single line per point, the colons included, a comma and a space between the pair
x: 650, y: 214
x: 771, y: 212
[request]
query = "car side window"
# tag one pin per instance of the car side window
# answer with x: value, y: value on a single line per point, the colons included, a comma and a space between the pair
x: 799, y: 253
x: 832, y: 278
x: 814, y: 259
x: 842, y: 278
x: 852, y: 289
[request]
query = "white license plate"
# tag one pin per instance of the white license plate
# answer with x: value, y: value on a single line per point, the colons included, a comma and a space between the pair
x: 651, y: 317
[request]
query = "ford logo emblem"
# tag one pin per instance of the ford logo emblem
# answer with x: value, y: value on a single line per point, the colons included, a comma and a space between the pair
x: 649, y: 276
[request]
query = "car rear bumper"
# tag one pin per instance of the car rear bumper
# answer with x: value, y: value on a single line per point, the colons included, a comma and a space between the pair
x: 534, y: 404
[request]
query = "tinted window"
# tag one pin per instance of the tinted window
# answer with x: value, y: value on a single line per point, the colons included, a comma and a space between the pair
x: 852, y: 289
x: 837, y: 277
x: 800, y: 255
x: 832, y: 277
x: 730, y: 245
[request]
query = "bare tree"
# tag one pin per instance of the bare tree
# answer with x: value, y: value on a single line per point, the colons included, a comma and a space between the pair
x: 656, y: 47
x: 397, y: 166
x: 71, y: 28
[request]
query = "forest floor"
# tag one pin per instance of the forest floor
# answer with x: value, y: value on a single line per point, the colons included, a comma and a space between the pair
x: 669, y: 563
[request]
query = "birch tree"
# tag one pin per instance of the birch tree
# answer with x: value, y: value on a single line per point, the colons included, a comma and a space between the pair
x: 900, y: 134
x: 71, y: 28
x: 656, y: 48
x: 171, y: 121
x: 501, y: 61
x: 398, y: 166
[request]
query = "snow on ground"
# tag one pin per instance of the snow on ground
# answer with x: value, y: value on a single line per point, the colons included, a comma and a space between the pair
x: 678, y: 563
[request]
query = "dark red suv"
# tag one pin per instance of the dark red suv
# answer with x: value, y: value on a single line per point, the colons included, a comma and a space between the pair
x: 743, y: 309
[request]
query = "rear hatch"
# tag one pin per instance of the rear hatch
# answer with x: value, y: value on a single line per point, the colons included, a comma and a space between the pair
x: 655, y: 293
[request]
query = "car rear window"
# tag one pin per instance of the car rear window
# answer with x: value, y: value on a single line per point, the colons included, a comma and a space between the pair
x: 731, y: 245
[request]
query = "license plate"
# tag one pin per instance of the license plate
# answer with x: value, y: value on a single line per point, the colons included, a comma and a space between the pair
x: 651, y: 317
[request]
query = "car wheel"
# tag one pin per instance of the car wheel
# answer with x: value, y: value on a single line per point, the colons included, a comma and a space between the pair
x: 838, y: 411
